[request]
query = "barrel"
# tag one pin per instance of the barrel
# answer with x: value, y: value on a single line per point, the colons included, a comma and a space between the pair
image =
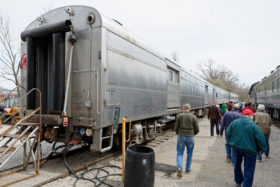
x: 139, y: 166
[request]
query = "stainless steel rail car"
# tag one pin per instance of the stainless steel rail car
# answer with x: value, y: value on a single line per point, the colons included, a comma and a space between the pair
x: 94, y: 72
x: 267, y: 92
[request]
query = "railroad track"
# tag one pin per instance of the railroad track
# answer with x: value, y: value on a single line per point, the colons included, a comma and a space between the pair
x: 160, y: 138
x: 80, y: 168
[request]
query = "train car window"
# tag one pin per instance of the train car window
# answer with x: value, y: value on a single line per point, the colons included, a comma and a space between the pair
x: 273, y: 85
x: 176, y: 77
x: 278, y: 84
x: 170, y: 76
x: 173, y: 75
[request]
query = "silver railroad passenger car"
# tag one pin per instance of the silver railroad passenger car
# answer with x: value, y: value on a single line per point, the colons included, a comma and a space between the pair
x: 94, y: 72
x: 267, y: 92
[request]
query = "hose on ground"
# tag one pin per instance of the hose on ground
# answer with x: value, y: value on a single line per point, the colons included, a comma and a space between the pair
x: 96, y: 180
x: 54, y: 151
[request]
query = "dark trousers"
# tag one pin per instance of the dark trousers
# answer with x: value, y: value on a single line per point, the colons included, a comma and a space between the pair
x: 267, y: 145
x: 214, y: 122
x: 249, y: 167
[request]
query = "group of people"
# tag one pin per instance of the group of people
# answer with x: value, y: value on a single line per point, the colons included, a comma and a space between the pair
x: 246, y: 135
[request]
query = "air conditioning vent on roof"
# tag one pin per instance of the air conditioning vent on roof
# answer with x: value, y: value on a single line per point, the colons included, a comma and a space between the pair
x: 278, y: 67
x: 272, y: 72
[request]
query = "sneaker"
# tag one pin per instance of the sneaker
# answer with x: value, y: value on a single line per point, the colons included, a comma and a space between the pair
x: 228, y: 159
x: 238, y: 185
x: 188, y: 172
x: 179, y: 173
x: 259, y: 160
x: 267, y: 157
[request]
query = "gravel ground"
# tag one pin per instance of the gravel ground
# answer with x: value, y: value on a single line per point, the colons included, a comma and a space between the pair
x: 209, y: 167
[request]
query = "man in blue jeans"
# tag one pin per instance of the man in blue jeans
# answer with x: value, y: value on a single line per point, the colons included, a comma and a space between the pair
x: 186, y: 127
x: 247, y: 140
x: 227, y: 119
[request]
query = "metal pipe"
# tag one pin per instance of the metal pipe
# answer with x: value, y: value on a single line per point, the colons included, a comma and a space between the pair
x: 63, y: 26
x: 97, y: 93
x: 68, y: 80
x: 123, y: 148
x: 39, y: 137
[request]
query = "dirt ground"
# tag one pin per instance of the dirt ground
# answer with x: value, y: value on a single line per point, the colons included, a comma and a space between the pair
x: 209, y: 166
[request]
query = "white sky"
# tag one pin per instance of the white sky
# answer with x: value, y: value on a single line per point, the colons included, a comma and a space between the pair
x: 241, y: 34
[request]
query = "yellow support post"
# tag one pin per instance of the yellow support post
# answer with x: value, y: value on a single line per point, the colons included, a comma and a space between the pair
x: 123, y: 148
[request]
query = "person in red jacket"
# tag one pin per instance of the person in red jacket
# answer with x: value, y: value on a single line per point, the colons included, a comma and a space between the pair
x: 249, y: 106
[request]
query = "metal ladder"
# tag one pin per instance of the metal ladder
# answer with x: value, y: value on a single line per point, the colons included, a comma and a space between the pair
x: 21, y: 135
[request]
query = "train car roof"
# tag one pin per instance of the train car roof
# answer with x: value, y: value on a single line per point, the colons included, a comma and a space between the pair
x: 252, y: 87
x: 60, y: 14
x: 272, y: 73
x: 101, y: 20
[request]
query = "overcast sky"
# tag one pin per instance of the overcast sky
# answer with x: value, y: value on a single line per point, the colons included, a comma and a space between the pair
x: 243, y: 35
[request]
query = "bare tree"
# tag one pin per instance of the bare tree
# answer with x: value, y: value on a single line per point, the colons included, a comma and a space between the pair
x: 9, y: 64
x: 243, y: 92
x: 210, y: 71
x: 230, y: 81
x: 218, y: 75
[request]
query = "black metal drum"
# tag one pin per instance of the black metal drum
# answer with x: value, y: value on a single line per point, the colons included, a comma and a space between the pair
x: 139, y: 167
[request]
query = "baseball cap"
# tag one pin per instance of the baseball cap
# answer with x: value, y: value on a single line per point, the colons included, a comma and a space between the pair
x: 248, y: 112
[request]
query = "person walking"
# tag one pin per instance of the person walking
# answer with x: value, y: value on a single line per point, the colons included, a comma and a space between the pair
x: 186, y: 127
x: 224, y: 108
x: 263, y: 120
x: 214, y: 116
x: 240, y: 107
x: 227, y: 119
x: 247, y: 140
x: 249, y: 106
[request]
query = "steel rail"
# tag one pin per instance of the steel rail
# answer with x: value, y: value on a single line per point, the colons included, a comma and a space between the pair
x: 77, y: 169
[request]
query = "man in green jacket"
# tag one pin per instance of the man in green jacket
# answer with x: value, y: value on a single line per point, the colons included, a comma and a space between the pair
x: 247, y: 140
x: 224, y: 109
x: 186, y: 127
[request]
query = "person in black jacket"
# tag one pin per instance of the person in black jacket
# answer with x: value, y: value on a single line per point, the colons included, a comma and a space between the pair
x: 214, y: 115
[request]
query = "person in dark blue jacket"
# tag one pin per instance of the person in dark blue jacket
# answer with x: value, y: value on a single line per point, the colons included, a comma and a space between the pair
x: 227, y: 119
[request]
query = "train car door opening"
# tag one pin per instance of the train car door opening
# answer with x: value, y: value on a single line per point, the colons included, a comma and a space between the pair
x: 46, y: 65
x: 206, y: 95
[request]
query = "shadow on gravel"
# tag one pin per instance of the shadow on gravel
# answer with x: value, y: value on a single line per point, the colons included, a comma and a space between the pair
x: 165, y: 168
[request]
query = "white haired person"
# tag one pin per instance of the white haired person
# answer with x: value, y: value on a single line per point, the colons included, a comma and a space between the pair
x: 229, y: 117
x: 186, y: 127
x: 263, y: 120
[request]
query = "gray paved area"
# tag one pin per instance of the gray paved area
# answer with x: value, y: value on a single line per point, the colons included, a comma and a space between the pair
x: 209, y: 167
